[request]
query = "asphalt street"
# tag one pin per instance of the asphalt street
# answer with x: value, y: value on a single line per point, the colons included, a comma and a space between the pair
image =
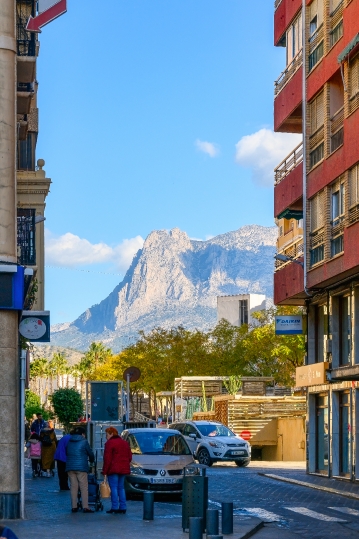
x: 300, y: 510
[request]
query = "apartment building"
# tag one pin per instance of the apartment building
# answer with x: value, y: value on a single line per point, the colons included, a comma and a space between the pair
x: 317, y: 212
x: 32, y: 184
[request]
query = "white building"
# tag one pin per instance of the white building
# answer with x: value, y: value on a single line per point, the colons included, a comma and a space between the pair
x: 238, y: 309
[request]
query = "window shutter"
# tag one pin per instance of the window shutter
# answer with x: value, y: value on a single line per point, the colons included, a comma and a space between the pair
x: 353, y: 186
x: 334, y: 4
x: 320, y: 110
x: 300, y: 33
x: 289, y: 45
x: 354, y: 77
x: 320, y: 12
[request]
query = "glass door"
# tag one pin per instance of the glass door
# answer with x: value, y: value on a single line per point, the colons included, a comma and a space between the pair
x: 322, y: 438
x: 344, y: 434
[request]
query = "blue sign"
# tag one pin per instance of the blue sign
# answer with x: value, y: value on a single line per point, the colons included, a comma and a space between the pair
x: 289, y: 325
x: 11, y: 287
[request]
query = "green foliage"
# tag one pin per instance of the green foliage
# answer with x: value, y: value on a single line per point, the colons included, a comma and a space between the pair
x: 68, y: 406
x: 233, y: 384
x: 33, y: 405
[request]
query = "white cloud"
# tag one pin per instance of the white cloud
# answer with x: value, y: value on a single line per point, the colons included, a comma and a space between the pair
x: 209, y: 148
x: 71, y: 250
x: 263, y: 151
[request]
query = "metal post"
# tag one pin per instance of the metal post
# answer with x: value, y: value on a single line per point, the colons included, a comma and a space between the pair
x: 195, y: 528
x: 128, y: 399
x: 22, y: 431
x: 212, y: 522
x: 148, y: 505
x: 227, y: 518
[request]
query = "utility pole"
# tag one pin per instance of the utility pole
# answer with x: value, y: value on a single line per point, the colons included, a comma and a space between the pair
x: 9, y: 357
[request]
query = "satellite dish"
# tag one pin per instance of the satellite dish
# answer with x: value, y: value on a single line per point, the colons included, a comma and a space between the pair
x: 133, y: 373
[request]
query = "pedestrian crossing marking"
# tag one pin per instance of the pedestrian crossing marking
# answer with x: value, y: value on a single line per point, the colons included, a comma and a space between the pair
x: 346, y: 510
x: 266, y: 516
x: 309, y: 513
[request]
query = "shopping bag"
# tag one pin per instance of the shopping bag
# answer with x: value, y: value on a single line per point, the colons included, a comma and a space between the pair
x: 105, y: 488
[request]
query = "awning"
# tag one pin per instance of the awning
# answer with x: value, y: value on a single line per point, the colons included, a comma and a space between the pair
x: 291, y: 214
x: 348, y: 49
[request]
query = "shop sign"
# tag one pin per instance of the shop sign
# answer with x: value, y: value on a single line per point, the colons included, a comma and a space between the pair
x: 35, y: 326
x: 311, y: 375
x: 289, y: 325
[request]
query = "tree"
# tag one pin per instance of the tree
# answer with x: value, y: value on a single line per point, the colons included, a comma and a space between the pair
x: 33, y: 405
x: 58, y: 367
x: 39, y: 371
x: 68, y: 406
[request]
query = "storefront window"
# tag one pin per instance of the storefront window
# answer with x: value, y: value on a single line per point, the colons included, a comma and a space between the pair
x: 322, y: 437
x: 344, y: 433
x: 320, y: 330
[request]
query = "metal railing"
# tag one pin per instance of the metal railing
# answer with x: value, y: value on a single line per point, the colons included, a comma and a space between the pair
x: 288, y: 164
x: 288, y: 73
x: 276, y: 4
x: 294, y: 251
x: 26, y: 251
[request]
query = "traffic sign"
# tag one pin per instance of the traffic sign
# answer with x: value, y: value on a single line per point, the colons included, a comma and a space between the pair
x: 246, y: 434
x: 48, y: 11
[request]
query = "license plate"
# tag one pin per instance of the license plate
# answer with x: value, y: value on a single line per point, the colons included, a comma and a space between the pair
x: 237, y: 452
x: 162, y: 481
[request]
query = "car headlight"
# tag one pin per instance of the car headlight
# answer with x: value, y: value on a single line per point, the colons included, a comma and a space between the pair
x: 136, y: 470
x: 217, y: 444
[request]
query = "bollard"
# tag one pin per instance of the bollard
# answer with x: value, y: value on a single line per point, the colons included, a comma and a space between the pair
x: 212, y: 523
x: 195, y: 527
x: 148, y: 505
x: 227, y: 518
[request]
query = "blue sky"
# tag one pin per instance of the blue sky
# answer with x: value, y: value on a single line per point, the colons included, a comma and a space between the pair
x: 154, y: 114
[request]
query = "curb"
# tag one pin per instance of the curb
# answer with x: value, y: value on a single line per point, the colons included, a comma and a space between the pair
x: 310, y: 485
x: 254, y: 530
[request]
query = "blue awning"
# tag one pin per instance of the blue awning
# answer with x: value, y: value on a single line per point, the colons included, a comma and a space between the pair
x: 348, y: 49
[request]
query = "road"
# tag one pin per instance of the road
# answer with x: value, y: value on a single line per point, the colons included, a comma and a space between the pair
x: 303, y: 511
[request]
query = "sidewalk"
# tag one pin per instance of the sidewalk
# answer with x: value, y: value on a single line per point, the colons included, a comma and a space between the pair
x: 340, y: 487
x: 48, y: 514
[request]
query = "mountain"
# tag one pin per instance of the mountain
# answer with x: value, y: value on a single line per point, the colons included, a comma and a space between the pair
x: 174, y: 280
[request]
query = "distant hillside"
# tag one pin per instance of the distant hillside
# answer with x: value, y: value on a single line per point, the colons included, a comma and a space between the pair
x: 72, y: 356
x: 174, y: 280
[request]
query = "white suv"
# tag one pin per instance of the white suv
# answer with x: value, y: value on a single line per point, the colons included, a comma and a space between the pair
x: 211, y: 441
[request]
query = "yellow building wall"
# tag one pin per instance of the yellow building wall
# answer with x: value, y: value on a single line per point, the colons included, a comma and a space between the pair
x: 291, y: 441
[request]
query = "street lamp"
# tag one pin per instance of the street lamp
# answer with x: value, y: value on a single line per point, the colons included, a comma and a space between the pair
x: 285, y: 258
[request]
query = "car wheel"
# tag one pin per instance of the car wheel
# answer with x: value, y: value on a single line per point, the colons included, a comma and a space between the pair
x: 241, y: 464
x: 204, y: 458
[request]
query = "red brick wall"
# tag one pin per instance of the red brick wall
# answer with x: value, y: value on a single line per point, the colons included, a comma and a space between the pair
x: 289, y: 190
x: 288, y: 282
x: 288, y: 100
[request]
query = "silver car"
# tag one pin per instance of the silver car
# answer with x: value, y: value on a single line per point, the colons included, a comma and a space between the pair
x: 212, y: 441
x: 158, y: 459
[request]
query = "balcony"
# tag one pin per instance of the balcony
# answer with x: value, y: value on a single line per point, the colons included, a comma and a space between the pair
x: 284, y: 13
x: 289, y: 285
x: 26, y: 43
x: 26, y: 251
x: 25, y: 92
x: 288, y: 102
x: 293, y: 248
x: 288, y: 73
x: 288, y: 179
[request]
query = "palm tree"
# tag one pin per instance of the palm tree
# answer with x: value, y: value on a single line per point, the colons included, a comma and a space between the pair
x: 58, y: 366
x: 96, y: 355
x: 39, y: 371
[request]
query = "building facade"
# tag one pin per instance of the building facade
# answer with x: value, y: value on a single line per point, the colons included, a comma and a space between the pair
x: 238, y: 308
x: 317, y: 190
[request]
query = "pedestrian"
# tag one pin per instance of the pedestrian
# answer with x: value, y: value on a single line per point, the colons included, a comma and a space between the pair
x: 38, y: 424
x: 78, y: 452
x: 60, y: 457
x: 116, y: 465
x: 34, y: 453
x: 6, y: 533
x: 48, y: 447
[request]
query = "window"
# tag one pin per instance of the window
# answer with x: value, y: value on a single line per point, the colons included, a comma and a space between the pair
x: 315, y: 15
x: 338, y: 195
x: 313, y: 25
x: 317, y: 255
x: 336, y: 33
x: 344, y: 330
x: 294, y: 39
x: 317, y: 211
x: 316, y: 55
x: 354, y: 186
x: 354, y: 77
x: 334, y: 4
x: 243, y: 311
x: 316, y: 155
x: 316, y: 113
x: 337, y: 245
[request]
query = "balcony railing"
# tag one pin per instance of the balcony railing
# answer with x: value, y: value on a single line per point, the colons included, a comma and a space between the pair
x: 336, y: 130
x: 276, y: 4
x: 290, y: 162
x: 288, y: 73
x: 26, y: 237
x: 26, y: 41
x: 294, y: 251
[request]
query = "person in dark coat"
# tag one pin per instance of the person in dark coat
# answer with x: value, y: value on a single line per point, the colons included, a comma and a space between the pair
x: 6, y: 533
x: 78, y: 452
x: 38, y: 425
x: 116, y: 465
x: 60, y: 457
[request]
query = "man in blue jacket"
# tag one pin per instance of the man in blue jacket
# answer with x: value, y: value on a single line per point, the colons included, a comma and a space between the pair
x: 38, y: 424
x: 78, y: 452
x: 60, y: 457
